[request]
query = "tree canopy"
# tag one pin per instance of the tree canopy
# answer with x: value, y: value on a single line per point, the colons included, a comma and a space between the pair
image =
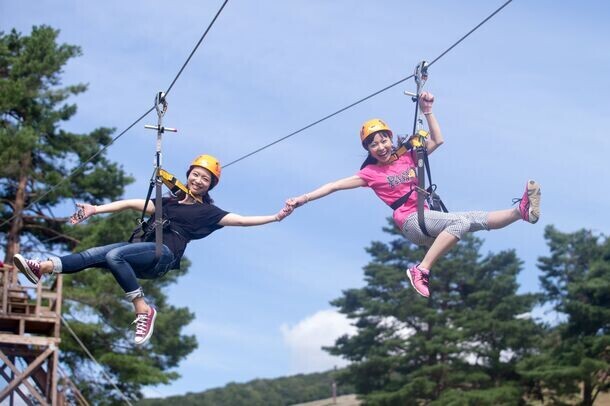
x: 461, y: 345
x: 46, y: 168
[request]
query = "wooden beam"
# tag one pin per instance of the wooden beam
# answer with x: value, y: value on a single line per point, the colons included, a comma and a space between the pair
x: 21, y: 376
x: 52, y: 369
x: 28, y: 340
x: 19, y: 392
x: 4, y: 290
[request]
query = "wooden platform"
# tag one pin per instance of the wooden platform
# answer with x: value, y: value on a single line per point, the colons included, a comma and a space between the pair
x: 30, y: 322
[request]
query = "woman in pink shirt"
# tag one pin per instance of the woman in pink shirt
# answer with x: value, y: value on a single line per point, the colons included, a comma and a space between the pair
x: 391, y: 179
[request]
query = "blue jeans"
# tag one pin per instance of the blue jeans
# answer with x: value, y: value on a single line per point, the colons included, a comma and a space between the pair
x: 126, y: 261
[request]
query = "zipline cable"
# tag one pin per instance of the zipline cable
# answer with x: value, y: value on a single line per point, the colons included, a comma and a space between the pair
x: 105, y: 147
x: 319, y: 121
x: 470, y: 32
x: 78, y: 340
x: 369, y: 96
x: 64, y: 179
x: 196, y: 46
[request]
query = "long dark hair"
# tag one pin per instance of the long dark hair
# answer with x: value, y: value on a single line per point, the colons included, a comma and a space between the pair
x: 367, y: 141
x: 205, y: 198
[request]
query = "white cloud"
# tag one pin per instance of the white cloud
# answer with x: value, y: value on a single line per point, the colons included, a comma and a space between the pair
x: 306, y: 339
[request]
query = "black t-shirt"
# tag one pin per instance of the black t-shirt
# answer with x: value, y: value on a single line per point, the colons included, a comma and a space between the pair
x: 187, y: 222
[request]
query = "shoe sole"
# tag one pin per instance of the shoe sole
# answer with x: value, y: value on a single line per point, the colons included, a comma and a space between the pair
x: 20, y: 263
x: 412, y: 284
x: 533, y: 195
x: 150, y: 332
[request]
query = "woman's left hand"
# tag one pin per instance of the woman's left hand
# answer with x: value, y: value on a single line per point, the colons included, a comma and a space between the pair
x: 425, y: 102
x: 285, y: 212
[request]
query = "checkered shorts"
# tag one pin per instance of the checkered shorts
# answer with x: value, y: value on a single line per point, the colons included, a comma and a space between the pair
x: 457, y: 224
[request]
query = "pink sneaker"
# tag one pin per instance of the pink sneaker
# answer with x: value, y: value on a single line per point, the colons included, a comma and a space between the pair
x: 30, y: 268
x: 419, y: 278
x: 529, y: 204
x: 145, y: 324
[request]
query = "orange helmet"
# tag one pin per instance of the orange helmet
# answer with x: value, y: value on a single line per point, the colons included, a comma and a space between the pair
x: 372, y: 126
x: 211, y: 164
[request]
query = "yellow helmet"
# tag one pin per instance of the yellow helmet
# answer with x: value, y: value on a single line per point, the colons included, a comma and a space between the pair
x: 372, y: 126
x: 211, y: 164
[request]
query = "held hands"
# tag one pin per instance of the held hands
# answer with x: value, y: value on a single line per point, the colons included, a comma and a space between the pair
x: 285, y: 212
x: 83, y: 212
x: 425, y: 102
x: 291, y: 204
x: 295, y: 202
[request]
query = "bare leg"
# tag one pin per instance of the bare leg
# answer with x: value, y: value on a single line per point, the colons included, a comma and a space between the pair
x: 140, y: 305
x: 46, y: 267
x: 441, y: 245
x: 502, y: 218
x: 445, y: 241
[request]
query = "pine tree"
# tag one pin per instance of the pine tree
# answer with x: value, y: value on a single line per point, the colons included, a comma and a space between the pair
x: 576, y: 282
x: 36, y: 154
x: 37, y: 158
x: 460, y: 346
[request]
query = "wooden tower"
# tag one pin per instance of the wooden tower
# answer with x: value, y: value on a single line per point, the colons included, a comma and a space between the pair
x: 30, y: 321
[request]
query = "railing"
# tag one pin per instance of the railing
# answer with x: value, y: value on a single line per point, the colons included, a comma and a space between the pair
x: 29, y: 309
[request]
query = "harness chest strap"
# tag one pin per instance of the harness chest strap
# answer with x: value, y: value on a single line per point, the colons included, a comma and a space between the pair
x: 419, y: 188
x: 397, y: 154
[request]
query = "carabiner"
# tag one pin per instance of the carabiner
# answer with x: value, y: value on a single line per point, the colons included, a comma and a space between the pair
x: 160, y: 104
x: 421, y: 75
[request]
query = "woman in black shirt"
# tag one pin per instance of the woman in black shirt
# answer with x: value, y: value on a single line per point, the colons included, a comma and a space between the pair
x: 187, y: 220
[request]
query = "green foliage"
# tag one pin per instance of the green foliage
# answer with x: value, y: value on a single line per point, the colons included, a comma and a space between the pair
x: 460, y: 346
x: 576, y: 280
x: 261, y: 392
x: 38, y: 157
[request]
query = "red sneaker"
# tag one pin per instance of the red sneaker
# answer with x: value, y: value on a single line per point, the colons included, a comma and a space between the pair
x: 145, y: 324
x: 419, y: 278
x: 30, y: 268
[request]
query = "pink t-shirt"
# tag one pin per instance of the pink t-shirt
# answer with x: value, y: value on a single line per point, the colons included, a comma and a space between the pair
x: 393, y: 181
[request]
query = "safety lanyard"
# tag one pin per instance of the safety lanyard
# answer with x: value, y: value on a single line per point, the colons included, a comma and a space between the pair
x: 418, y: 142
x: 161, y: 107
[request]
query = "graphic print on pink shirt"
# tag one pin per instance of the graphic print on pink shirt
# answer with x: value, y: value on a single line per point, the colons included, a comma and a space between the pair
x: 393, y: 181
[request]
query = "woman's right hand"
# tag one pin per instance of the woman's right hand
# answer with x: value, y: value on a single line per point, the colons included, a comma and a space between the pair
x: 425, y: 102
x: 83, y: 212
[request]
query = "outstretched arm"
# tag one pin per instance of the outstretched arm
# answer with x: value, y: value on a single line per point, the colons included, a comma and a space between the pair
x: 87, y: 210
x: 436, y: 137
x: 341, y: 184
x: 234, y: 219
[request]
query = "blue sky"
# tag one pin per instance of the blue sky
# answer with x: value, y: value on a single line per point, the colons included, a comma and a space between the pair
x: 523, y: 97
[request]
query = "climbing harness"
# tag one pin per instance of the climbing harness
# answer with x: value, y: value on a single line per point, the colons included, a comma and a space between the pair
x: 145, y: 231
x: 156, y: 181
x: 417, y: 142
